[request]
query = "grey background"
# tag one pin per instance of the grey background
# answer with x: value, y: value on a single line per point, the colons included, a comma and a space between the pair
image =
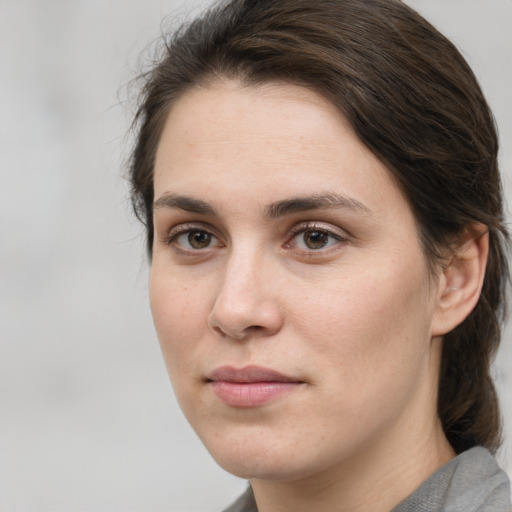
x: 88, y: 421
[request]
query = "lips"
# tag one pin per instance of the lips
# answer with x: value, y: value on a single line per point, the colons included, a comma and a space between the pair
x: 251, y: 386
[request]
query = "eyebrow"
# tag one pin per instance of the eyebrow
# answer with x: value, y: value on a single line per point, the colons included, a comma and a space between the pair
x: 328, y: 201
x: 186, y: 203
x: 282, y: 208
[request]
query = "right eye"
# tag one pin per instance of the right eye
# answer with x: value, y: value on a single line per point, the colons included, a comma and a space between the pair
x: 191, y: 239
x: 195, y: 239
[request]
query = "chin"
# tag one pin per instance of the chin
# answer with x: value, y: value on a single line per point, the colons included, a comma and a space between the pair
x: 261, y: 467
x: 250, y: 453
x: 264, y: 456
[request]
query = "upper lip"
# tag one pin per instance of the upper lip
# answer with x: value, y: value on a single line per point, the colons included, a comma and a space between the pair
x: 248, y: 374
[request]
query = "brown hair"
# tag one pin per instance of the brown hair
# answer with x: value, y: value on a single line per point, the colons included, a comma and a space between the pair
x: 411, y: 98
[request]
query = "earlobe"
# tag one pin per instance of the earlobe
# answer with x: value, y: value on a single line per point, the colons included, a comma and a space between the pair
x: 461, y: 279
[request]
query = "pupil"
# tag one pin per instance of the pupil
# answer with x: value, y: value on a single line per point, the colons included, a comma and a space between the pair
x: 199, y: 239
x: 316, y: 239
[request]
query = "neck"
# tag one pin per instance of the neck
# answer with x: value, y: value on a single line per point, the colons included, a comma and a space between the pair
x: 374, y: 481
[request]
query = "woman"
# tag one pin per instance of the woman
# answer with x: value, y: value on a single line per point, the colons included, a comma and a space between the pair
x: 320, y: 190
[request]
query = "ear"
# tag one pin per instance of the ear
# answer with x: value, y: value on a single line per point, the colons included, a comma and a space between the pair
x: 461, y: 279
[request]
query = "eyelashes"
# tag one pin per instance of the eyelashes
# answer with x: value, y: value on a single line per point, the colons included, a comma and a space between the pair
x: 196, y: 239
x: 306, y: 238
x: 191, y: 238
x: 314, y: 237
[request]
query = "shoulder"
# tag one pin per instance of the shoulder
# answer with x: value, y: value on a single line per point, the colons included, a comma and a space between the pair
x: 471, y: 482
x: 244, y: 503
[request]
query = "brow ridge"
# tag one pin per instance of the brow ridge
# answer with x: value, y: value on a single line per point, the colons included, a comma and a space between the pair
x: 315, y: 202
x: 274, y: 210
x: 186, y: 203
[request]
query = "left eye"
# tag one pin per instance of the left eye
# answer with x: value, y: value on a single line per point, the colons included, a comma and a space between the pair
x: 314, y: 239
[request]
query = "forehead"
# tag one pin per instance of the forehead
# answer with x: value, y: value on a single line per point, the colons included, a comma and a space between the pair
x: 232, y: 115
x: 249, y: 131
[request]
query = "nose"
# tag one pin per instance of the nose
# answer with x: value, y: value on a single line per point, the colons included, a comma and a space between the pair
x: 246, y: 304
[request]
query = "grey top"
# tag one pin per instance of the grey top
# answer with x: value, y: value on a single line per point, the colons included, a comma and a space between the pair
x: 471, y: 482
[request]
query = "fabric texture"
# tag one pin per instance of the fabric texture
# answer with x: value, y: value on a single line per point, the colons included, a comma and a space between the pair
x: 471, y: 482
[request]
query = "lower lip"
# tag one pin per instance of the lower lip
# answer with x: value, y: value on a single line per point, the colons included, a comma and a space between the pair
x: 251, y: 394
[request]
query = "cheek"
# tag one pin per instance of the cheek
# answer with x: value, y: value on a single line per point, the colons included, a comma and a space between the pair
x: 368, y: 349
x: 180, y: 316
x: 370, y: 323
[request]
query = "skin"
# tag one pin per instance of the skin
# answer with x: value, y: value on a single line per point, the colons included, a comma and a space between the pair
x: 355, y: 317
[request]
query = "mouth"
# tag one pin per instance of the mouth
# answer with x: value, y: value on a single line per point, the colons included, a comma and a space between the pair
x: 251, y: 386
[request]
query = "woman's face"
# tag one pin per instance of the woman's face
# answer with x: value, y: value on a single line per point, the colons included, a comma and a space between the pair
x: 288, y: 287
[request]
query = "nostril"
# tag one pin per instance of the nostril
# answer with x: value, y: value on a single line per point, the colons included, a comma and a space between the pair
x: 218, y: 330
x: 254, y: 328
x: 247, y: 332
